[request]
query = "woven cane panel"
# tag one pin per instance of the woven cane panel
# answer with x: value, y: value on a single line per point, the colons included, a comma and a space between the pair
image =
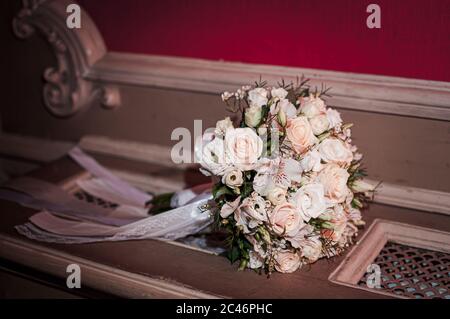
x: 413, y: 272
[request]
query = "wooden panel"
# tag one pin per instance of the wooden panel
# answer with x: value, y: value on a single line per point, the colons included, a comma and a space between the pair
x: 188, y: 268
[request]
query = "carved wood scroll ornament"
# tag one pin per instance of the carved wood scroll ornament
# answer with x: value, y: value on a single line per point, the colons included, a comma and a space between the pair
x: 66, y: 90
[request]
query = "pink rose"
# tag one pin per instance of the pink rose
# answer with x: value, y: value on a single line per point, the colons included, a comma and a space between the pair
x: 287, y: 261
x: 300, y: 134
x: 334, y: 180
x: 285, y: 220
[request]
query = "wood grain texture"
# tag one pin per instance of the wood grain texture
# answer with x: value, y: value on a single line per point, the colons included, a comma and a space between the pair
x: 190, y: 268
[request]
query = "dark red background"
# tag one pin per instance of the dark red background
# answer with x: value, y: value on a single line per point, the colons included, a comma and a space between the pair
x: 414, y: 39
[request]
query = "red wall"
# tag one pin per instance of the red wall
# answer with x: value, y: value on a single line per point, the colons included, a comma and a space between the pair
x: 414, y: 39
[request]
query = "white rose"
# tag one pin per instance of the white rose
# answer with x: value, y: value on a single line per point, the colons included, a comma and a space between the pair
x: 277, y: 196
x: 287, y: 261
x: 257, y: 97
x: 233, y: 178
x: 243, y: 147
x: 311, y: 161
x: 251, y: 213
x: 334, y: 118
x: 253, y: 116
x: 279, y: 93
x: 333, y: 150
x: 300, y: 134
x: 312, y: 106
x: 213, y: 157
x: 334, y: 180
x: 222, y: 126
x: 312, y: 249
x: 310, y: 201
x: 286, y: 107
x: 319, y: 124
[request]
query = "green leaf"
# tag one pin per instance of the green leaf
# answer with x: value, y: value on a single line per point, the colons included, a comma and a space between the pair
x: 233, y: 254
x: 221, y: 190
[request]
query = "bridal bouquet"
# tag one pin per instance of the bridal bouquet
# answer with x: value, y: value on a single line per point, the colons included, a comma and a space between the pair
x: 288, y: 186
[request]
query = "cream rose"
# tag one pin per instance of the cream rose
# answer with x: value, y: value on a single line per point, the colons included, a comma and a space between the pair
x: 309, y: 201
x: 312, y: 249
x: 334, y: 180
x: 257, y: 97
x: 333, y: 150
x: 233, y: 178
x: 285, y: 220
x: 312, y: 106
x: 253, y: 116
x: 300, y: 134
x: 243, y: 147
x: 287, y: 261
x: 319, y: 124
x: 277, y: 196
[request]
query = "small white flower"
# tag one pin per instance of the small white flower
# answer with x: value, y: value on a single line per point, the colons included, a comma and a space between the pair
x: 226, y: 96
x: 255, y: 261
x: 357, y: 156
x: 240, y: 94
x: 233, y: 178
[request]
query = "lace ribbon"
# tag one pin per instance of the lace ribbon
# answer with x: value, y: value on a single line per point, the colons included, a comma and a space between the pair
x: 67, y: 220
